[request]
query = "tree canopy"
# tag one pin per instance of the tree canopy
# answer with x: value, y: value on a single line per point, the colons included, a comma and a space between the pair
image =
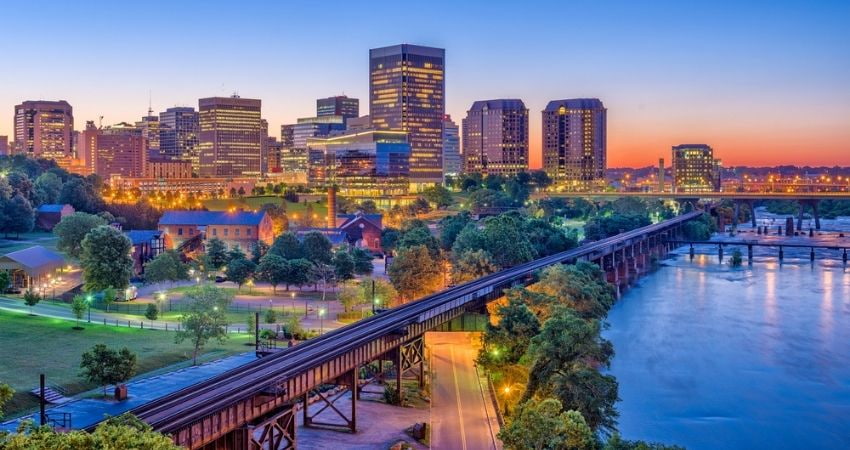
x: 105, y: 259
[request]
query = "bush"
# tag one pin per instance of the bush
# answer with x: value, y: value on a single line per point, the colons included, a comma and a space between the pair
x: 270, y: 316
x: 350, y: 316
x: 391, y: 396
x: 737, y: 259
x: 267, y: 334
x: 152, y: 312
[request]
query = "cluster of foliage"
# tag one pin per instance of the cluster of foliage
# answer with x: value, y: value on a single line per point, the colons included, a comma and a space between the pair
x: 416, y: 268
x: 700, y: 229
x: 124, y: 431
x: 104, y: 366
x: 167, y: 266
x: 362, y: 292
x: 205, y: 319
x: 624, y: 214
x: 6, y: 393
x: 827, y: 209
x: 105, y: 259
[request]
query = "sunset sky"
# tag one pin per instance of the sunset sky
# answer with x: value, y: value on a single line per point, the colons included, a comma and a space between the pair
x: 764, y: 83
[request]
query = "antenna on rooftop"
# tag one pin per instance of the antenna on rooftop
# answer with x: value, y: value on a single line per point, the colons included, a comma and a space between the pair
x: 150, y: 108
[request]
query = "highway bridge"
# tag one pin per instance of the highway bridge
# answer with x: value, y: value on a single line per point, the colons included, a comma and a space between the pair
x: 613, y: 195
x: 253, y: 406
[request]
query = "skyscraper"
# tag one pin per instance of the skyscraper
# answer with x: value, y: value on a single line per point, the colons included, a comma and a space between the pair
x: 339, y: 105
x: 231, y: 137
x: 43, y: 129
x: 150, y: 127
x: 695, y: 169
x: 574, y: 142
x: 179, y: 130
x: 407, y: 93
x: 119, y: 150
x: 452, y: 164
x: 495, y: 137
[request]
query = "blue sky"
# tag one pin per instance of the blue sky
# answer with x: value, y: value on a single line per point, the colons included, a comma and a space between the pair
x: 763, y: 82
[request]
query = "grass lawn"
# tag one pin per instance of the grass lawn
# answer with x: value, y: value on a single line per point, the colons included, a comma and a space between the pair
x: 33, y: 345
x: 221, y: 204
x: 27, y: 240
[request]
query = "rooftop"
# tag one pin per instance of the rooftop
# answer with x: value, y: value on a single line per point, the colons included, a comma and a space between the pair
x: 212, y: 218
x: 575, y: 103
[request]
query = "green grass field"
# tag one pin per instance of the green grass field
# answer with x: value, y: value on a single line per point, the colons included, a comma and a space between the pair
x: 33, y: 345
x: 221, y: 204
x: 27, y: 240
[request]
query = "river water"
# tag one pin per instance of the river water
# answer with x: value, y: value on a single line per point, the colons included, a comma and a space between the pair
x: 711, y: 357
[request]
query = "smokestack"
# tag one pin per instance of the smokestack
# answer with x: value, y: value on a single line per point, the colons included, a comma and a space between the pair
x: 332, y: 207
x: 660, y: 174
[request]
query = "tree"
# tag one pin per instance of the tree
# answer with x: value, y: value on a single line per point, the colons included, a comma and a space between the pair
x: 450, y: 227
x: 104, y: 366
x: 273, y: 269
x: 438, y: 195
x: 581, y: 287
x: 124, y: 431
x: 152, y: 312
x: 258, y: 250
x: 601, y: 227
x: 615, y: 442
x: 72, y: 229
x: 216, y: 253
x: 343, y: 265
x: 80, y: 194
x: 287, y: 246
x: 277, y: 214
x: 166, y: 266
x: 270, y: 316
x: 20, y: 217
x: 473, y: 264
x: 31, y: 299
x: 5, y: 281
x: 299, y: 273
x: 324, y: 274
x: 317, y: 248
x: 205, y: 319
x: 105, y: 259
x: 414, y: 273
x: 350, y: 297
x: 235, y: 253
x: 47, y: 188
x: 6, y: 393
x: 78, y: 307
x: 507, y: 342
x: 252, y: 324
x: 389, y: 239
x: 239, y: 270
x: 109, y: 296
x: 417, y: 233
x: 544, y: 425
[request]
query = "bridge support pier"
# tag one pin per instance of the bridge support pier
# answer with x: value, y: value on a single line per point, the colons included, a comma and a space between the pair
x: 351, y: 381
x: 274, y: 431
x: 752, y: 206
x: 410, y: 357
x: 750, y: 254
x: 720, y: 252
x: 691, y: 252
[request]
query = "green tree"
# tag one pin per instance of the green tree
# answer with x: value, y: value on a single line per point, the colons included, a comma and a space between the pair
x: 507, y: 342
x: 252, y: 324
x: 317, y: 248
x: 152, y: 312
x: 258, y: 250
x: 273, y: 269
x: 6, y: 393
x: 31, y: 298
x: 78, y: 307
x: 216, y: 253
x: 615, y: 442
x: 544, y: 425
x: 166, y: 266
x: 438, y: 195
x: 109, y: 296
x: 20, y: 217
x: 277, y: 214
x: 235, y: 253
x: 737, y: 259
x: 362, y: 261
x: 451, y: 226
x: 414, y: 273
x: 239, y: 271
x: 322, y: 274
x: 349, y: 297
x: 205, y: 319
x: 419, y: 235
x: 287, y: 246
x: 105, y: 259
x: 72, y: 229
x: 104, y: 366
x: 580, y: 286
x: 122, y: 432
x: 343, y: 265
x: 298, y: 273
x: 389, y: 239
x: 473, y: 264
x: 47, y: 188
x: 80, y: 194
x: 270, y: 316
x: 5, y: 281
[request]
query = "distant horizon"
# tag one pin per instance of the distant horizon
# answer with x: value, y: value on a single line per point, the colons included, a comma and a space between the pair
x: 667, y: 72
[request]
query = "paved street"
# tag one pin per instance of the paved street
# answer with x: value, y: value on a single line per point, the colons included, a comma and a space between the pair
x: 462, y: 413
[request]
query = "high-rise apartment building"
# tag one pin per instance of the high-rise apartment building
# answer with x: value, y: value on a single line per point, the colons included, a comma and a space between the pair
x: 231, y: 137
x: 452, y: 163
x: 407, y: 93
x: 339, y: 105
x: 43, y: 129
x: 179, y: 130
x: 4, y: 145
x: 695, y: 169
x: 495, y: 137
x: 574, y: 142
x: 119, y: 150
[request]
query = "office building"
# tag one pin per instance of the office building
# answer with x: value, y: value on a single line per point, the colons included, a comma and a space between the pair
x: 273, y: 153
x: 164, y: 168
x: 495, y: 137
x: 361, y: 123
x: 119, y: 150
x: 150, y: 128
x: 309, y: 127
x: 231, y: 137
x: 179, y: 130
x: 339, y: 105
x: 407, y: 93
x: 574, y: 142
x: 695, y: 169
x: 4, y: 145
x: 452, y: 163
x: 364, y: 165
x: 43, y: 129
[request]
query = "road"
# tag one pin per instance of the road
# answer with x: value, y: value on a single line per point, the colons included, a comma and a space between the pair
x: 462, y: 413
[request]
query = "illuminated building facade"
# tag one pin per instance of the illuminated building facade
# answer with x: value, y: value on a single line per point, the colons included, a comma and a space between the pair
x: 231, y: 137
x: 310, y: 127
x: 273, y: 152
x: 452, y: 163
x: 574, y: 142
x: 364, y: 165
x: 495, y: 137
x: 339, y: 105
x: 179, y: 130
x: 407, y: 93
x: 43, y: 129
x: 150, y: 128
x: 119, y: 150
x: 168, y: 168
x: 695, y: 169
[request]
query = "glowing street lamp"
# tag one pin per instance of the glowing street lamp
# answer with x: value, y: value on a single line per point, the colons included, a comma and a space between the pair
x: 88, y: 301
x: 322, y: 320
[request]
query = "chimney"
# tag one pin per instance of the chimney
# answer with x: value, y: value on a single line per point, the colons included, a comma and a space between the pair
x: 332, y: 207
x: 660, y: 174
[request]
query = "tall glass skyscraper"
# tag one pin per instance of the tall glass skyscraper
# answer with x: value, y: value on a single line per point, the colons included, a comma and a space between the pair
x: 340, y: 105
x: 452, y: 164
x: 179, y: 128
x: 407, y: 93
x: 43, y: 129
x: 574, y: 142
x: 495, y: 137
x: 695, y: 169
x: 232, y: 137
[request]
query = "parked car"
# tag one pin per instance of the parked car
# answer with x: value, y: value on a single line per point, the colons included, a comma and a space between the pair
x: 220, y: 279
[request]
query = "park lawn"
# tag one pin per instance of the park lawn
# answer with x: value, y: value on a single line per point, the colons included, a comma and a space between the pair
x: 222, y: 204
x: 33, y: 345
x: 27, y: 240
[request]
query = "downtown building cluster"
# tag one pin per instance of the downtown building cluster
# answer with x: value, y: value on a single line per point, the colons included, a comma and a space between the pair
x: 405, y: 143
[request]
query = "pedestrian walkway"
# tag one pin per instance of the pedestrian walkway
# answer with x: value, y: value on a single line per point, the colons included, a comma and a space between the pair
x: 87, y: 411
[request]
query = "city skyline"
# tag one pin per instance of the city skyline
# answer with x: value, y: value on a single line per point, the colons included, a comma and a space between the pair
x: 665, y: 74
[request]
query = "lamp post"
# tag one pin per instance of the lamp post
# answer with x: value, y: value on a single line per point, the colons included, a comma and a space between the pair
x: 322, y: 321
x: 292, y: 296
x: 88, y: 301
x: 374, y: 301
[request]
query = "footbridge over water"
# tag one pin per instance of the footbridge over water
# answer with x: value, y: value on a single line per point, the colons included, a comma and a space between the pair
x: 253, y: 406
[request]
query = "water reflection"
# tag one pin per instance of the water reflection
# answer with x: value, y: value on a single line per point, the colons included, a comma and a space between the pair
x: 759, y: 357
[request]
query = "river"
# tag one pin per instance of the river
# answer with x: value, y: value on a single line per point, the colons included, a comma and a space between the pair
x: 711, y: 357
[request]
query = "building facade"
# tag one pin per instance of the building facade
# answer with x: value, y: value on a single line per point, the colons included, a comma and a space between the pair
x: 407, y: 93
x: 4, y: 145
x: 150, y: 128
x: 231, y: 137
x: 339, y: 105
x: 495, y: 137
x: 575, y: 142
x: 241, y: 228
x: 119, y: 150
x: 179, y: 130
x: 168, y: 168
x: 695, y: 169
x: 452, y: 162
x: 44, y: 129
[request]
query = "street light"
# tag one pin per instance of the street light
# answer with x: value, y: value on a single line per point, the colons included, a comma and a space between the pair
x: 322, y: 320
x: 88, y: 300
x: 292, y: 296
x: 374, y: 300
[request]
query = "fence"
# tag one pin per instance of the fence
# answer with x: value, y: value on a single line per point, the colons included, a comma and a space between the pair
x: 181, y: 306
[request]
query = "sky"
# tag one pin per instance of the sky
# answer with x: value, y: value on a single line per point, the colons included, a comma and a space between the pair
x: 762, y: 82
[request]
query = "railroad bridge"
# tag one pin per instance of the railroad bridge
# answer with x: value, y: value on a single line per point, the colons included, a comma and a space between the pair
x: 253, y: 406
